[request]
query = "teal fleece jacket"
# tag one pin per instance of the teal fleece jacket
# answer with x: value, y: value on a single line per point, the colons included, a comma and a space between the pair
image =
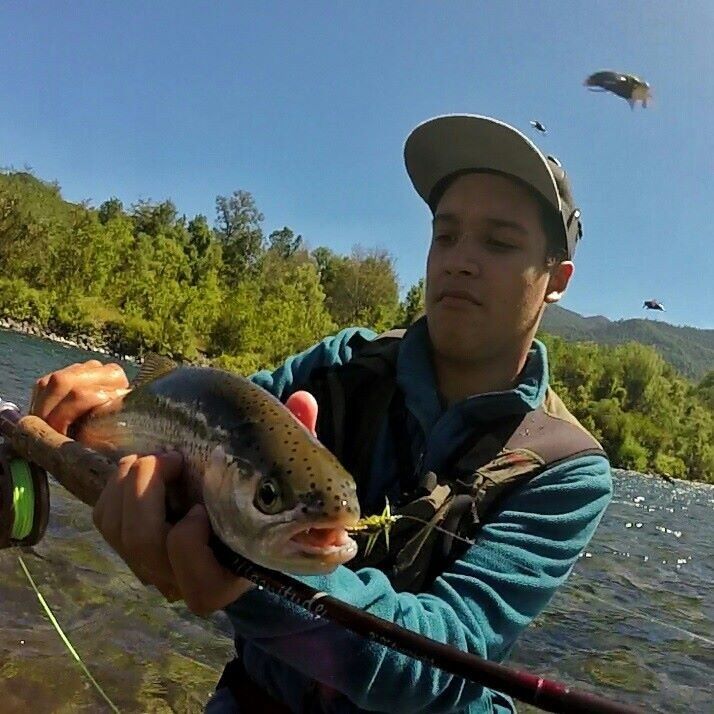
x: 480, y: 604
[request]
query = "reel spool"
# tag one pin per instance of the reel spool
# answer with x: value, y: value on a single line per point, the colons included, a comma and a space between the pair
x: 24, y: 500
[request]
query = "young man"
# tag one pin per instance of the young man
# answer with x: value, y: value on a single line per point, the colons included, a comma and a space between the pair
x: 453, y: 422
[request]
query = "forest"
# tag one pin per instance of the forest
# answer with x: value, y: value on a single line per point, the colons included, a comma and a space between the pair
x: 148, y: 278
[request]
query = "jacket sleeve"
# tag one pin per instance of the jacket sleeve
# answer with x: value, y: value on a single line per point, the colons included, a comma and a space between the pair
x: 333, y: 350
x: 522, y: 556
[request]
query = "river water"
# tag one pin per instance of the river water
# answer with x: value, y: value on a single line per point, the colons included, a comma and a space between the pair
x: 634, y: 622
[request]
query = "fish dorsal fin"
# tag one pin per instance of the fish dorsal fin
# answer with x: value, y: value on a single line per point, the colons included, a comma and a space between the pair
x: 154, y: 366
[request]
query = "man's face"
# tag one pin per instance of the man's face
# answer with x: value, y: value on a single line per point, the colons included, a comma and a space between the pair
x: 487, y: 277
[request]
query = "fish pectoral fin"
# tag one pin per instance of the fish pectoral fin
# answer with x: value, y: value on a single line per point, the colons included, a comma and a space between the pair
x: 154, y: 366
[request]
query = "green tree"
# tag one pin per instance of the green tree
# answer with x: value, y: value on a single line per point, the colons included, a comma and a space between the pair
x: 200, y: 237
x: 110, y: 209
x: 284, y: 242
x: 286, y: 300
x: 240, y: 234
x: 362, y: 289
x: 155, y: 219
x: 152, y: 280
x: 705, y: 390
x: 21, y: 302
x: 413, y: 306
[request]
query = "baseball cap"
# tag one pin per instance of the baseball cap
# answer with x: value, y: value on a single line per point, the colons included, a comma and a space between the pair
x: 457, y: 143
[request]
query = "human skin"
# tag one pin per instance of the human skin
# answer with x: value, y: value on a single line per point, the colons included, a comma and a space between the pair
x: 487, y: 283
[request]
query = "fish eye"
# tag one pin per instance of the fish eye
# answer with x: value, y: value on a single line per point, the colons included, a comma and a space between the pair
x: 268, y: 497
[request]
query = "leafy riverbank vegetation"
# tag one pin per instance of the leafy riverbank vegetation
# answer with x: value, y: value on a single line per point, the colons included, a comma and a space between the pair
x: 149, y: 278
x: 647, y: 417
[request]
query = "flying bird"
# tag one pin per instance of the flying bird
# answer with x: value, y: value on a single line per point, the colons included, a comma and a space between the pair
x: 628, y: 86
x: 539, y: 126
x: 653, y: 305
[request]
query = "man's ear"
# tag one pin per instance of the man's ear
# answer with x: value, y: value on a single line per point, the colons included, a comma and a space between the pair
x: 560, y: 275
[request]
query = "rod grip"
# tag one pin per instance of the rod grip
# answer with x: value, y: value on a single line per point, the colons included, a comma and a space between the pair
x: 80, y: 470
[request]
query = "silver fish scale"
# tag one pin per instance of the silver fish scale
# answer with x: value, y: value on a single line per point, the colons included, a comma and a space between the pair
x: 148, y: 433
x: 141, y: 428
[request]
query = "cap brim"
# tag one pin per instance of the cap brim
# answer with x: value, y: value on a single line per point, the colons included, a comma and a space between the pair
x: 444, y: 145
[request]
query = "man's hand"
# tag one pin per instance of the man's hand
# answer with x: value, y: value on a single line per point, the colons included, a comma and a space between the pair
x: 131, y: 516
x: 62, y: 397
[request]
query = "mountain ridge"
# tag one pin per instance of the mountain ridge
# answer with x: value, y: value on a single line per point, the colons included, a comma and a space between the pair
x: 690, y: 350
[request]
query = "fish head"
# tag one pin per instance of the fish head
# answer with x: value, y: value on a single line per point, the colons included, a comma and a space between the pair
x: 278, y: 497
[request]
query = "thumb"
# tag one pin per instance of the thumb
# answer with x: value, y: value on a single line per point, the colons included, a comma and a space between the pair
x: 203, y: 583
x: 304, y: 407
x: 195, y: 526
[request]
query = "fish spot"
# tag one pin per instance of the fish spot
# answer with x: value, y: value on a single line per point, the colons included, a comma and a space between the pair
x: 313, y: 485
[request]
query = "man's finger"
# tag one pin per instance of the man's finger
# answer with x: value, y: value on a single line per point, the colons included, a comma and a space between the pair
x: 304, y: 406
x: 107, y: 513
x: 165, y: 585
x: 170, y: 591
x: 205, y: 585
x: 79, y: 401
x: 42, y: 382
x: 51, y: 389
x: 144, y: 528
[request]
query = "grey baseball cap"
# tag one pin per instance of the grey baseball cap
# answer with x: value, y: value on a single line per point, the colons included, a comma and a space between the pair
x: 458, y: 143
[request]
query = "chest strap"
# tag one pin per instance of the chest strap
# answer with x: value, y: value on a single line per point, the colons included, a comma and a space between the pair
x: 442, y: 517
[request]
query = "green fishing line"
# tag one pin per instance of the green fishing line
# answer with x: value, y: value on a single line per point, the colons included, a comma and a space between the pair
x: 64, y: 637
x: 23, y: 498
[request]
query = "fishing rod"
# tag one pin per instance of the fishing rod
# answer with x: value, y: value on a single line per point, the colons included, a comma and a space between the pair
x: 33, y: 449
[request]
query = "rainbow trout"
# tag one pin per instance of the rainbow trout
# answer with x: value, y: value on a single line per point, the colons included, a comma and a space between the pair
x: 273, y: 493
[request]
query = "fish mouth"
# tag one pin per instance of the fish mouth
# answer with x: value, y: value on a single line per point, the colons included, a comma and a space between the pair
x: 327, y: 542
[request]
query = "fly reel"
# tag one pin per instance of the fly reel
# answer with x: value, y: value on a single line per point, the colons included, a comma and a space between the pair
x: 24, y: 494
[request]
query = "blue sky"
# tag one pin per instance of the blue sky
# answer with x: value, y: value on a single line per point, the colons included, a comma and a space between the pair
x: 307, y: 105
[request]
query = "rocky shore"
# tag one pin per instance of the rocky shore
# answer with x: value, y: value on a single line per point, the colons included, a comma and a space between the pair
x: 83, y: 342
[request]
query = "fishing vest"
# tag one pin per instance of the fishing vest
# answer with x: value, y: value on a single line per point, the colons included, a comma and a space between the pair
x: 498, y: 456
